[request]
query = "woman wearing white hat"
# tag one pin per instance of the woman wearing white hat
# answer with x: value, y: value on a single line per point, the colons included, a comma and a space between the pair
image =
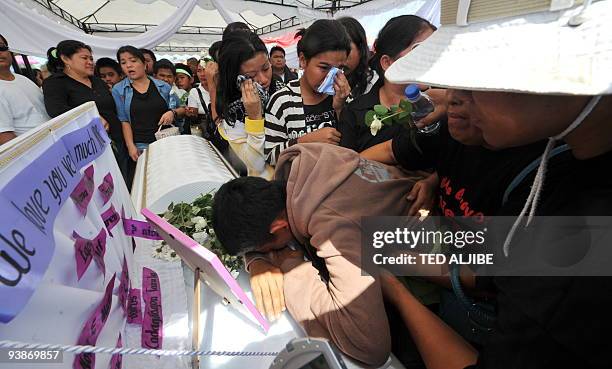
x: 532, y: 76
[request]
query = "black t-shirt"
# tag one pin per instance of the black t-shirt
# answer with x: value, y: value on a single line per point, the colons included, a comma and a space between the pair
x: 355, y: 134
x: 556, y: 322
x: 320, y: 115
x: 473, y: 179
x: 62, y: 93
x: 145, y: 112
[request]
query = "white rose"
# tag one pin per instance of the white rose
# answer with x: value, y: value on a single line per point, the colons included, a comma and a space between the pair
x: 375, y: 126
x: 196, y: 220
x: 201, y: 225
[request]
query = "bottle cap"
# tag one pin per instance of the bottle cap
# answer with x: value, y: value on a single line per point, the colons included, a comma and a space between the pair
x: 412, y: 93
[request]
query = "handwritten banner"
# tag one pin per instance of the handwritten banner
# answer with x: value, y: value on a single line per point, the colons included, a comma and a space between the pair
x: 137, y: 228
x: 84, y: 190
x: 30, y: 203
x: 153, y: 321
x: 93, y: 327
x: 87, y: 250
x: 134, y: 315
x: 124, y: 286
x: 116, y: 360
x: 107, y: 188
x: 111, y: 219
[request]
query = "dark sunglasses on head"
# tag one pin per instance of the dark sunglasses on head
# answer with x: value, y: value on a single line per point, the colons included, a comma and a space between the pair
x: 3, y: 48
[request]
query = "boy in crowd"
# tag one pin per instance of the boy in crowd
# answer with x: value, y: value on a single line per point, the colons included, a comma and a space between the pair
x: 312, y: 202
x: 109, y: 71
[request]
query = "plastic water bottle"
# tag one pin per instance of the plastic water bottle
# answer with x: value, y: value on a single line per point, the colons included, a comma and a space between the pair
x: 422, y: 106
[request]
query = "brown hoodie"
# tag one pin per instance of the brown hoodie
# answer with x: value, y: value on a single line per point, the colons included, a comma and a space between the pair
x: 329, y: 189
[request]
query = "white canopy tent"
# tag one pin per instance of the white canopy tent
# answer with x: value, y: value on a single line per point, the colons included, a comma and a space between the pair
x: 179, y: 27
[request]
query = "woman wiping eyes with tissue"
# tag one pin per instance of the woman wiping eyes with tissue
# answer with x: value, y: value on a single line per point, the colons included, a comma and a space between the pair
x: 307, y: 110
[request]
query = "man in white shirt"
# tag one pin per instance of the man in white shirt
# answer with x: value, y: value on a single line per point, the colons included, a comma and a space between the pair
x: 21, y: 101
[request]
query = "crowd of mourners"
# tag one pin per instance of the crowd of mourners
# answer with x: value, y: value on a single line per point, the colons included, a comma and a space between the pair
x: 312, y: 168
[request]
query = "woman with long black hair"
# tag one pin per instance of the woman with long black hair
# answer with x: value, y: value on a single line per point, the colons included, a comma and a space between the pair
x: 245, y: 82
x: 358, y: 72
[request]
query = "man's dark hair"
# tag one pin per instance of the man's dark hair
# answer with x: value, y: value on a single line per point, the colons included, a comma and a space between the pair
x: 164, y: 64
x: 109, y: 63
x: 151, y: 54
x: 4, y: 39
x: 277, y: 48
x: 244, y: 209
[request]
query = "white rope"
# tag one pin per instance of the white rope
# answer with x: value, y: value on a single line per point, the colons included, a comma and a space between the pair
x: 73, y: 349
x: 533, y: 199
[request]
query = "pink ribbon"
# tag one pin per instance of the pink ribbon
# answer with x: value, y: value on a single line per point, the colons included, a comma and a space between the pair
x: 111, y: 219
x: 86, y: 250
x: 134, y: 315
x: 153, y: 321
x: 84, y: 190
x: 117, y: 359
x: 107, y: 188
x: 93, y: 327
x: 124, y: 286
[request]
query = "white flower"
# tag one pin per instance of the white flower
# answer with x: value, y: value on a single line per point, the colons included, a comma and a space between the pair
x: 201, y: 225
x: 201, y: 237
x: 375, y: 126
x: 196, y: 220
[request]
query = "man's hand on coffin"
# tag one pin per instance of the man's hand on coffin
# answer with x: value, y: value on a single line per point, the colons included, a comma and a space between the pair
x: 267, y: 286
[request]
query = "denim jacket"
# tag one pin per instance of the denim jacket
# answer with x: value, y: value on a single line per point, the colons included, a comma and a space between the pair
x: 123, y: 93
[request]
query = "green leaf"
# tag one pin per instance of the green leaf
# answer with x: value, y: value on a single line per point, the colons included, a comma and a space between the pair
x: 394, y: 108
x: 369, y: 117
x: 380, y: 110
x: 403, y: 115
x: 406, y: 106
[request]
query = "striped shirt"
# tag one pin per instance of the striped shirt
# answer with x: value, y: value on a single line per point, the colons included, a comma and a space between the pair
x: 286, y: 121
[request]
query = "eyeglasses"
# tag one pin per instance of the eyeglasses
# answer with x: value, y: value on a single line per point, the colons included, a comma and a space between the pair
x: 4, y: 48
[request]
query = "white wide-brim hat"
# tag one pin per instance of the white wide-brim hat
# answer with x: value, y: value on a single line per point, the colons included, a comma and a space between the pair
x: 547, y: 52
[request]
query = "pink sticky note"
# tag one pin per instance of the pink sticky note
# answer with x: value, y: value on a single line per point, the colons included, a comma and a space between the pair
x: 153, y: 320
x: 83, y: 254
x: 124, y: 286
x: 111, y: 219
x: 107, y: 188
x: 116, y: 360
x: 87, y: 250
x: 92, y: 328
x: 134, y: 315
x: 138, y: 228
x: 84, y: 190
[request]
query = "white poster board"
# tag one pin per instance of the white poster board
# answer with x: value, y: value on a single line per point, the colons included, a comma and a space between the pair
x: 44, y: 176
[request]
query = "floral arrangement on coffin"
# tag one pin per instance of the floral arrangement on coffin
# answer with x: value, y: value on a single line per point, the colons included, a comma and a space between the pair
x: 396, y: 114
x: 195, y: 220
